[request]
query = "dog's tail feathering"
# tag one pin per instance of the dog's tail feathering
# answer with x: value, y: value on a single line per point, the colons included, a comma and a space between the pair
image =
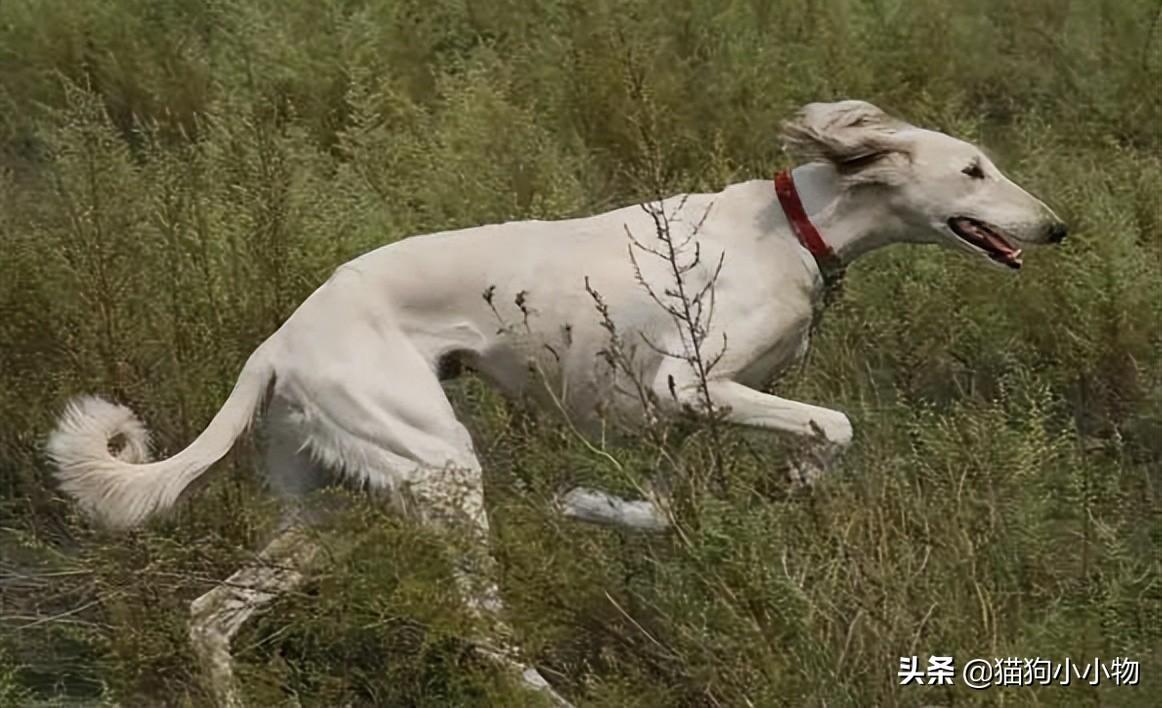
x: 123, y: 488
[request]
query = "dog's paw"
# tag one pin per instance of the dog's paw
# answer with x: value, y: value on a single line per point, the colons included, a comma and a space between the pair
x: 833, y: 428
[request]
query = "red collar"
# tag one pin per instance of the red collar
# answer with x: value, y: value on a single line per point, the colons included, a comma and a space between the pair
x: 804, y: 230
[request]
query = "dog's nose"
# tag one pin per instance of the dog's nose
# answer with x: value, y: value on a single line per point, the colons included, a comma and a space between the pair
x: 1058, y: 232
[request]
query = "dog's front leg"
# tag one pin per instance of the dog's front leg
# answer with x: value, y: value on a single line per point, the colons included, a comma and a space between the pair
x: 742, y: 405
x: 827, y: 432
x: 594, y: 506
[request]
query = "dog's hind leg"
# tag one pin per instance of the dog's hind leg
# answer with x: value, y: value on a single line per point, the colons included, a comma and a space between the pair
x: 218, y: 615
x: 279, y: 568
x: 453, y: 498
x: 373, y: 407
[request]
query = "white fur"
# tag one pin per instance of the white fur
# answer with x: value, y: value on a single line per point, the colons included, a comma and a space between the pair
x: 354, y: 365
x: 124, y: 489
x: 353, y: 370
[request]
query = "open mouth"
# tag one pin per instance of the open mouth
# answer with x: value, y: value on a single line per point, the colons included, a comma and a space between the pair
x: 987, y: 238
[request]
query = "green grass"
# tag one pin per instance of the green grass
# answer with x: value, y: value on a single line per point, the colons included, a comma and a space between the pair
x: 176, y: 176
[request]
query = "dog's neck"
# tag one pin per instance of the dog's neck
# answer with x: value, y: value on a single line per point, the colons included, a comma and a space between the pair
x: 851, y: 222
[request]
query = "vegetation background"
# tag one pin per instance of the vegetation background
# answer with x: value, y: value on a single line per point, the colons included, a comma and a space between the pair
x: 177, y: 175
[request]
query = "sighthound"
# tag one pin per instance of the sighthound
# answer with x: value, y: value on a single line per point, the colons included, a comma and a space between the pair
x: 350, y: 384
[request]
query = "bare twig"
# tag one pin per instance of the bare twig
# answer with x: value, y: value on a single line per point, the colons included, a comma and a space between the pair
x: 691, y: 308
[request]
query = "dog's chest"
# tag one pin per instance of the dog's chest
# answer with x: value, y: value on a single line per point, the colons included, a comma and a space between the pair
x: 784, y: 352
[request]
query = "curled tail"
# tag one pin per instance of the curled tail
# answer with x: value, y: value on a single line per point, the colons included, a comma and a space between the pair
x: 123, y: 489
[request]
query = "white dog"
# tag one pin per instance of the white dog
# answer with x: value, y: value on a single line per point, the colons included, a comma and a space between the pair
x: 351, y: 382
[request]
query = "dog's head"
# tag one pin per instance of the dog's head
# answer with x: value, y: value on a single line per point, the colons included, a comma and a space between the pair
x: 938, y: 189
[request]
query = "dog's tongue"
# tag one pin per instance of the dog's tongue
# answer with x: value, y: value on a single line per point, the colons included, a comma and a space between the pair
x: 988, y: 239
x: 999, y: 248
x: 1002, y: 247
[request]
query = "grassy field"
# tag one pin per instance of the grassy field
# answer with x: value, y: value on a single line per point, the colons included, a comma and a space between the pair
x: 177, y: 175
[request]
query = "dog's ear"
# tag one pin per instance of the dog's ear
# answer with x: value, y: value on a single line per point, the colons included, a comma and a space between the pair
x: 855, y: 136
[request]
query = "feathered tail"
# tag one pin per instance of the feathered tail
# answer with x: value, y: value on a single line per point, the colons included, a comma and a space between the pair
x: 123, y: 489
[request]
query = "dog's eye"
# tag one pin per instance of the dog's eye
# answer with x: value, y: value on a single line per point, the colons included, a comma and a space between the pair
x: 974, y: 171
